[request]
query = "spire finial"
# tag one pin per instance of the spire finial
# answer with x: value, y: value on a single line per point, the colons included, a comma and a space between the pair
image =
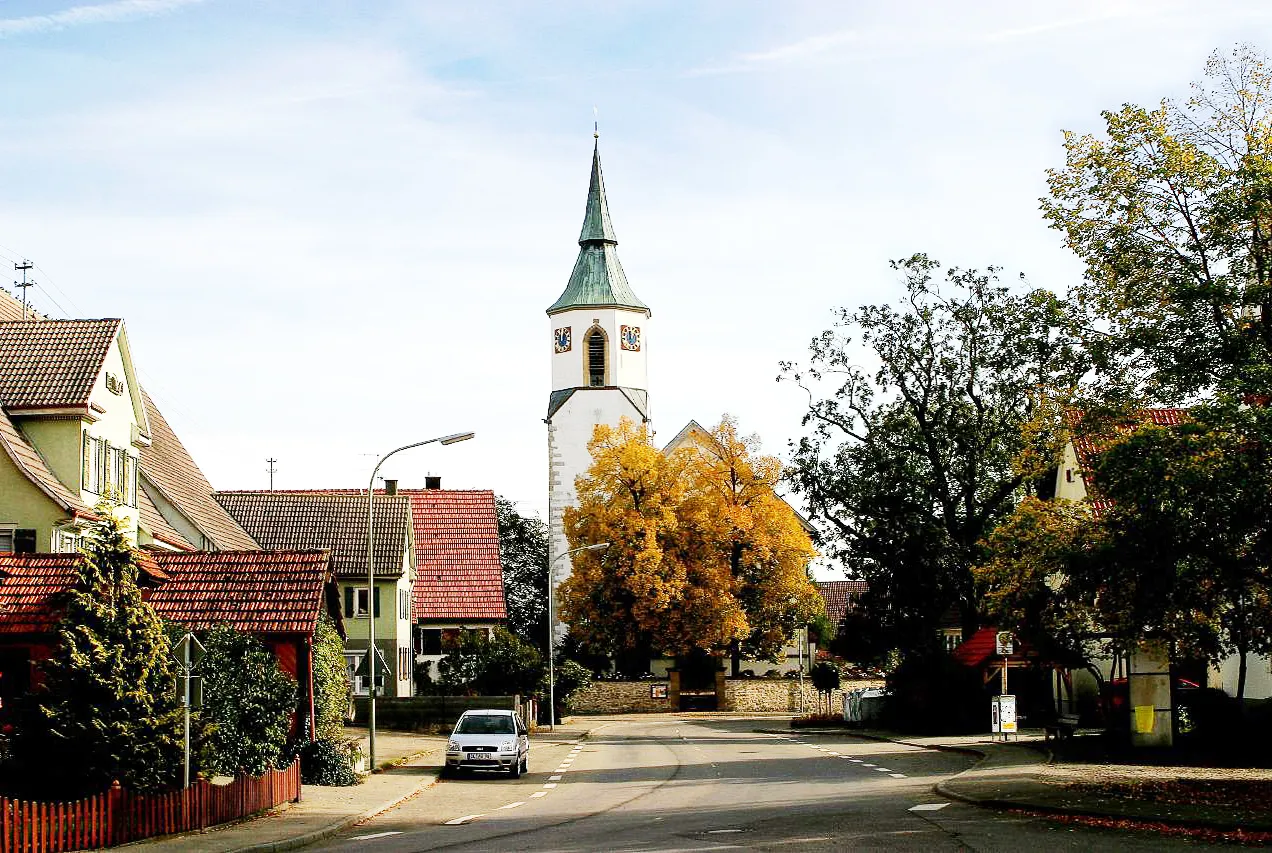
x: 596, y: 124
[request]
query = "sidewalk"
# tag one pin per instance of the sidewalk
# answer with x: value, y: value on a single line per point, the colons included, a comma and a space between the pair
x: 323, y: 811
x: 409, y: 762
x: 1021, y: 774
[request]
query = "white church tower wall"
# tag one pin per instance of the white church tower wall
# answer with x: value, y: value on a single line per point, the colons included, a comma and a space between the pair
x: 599, y: 338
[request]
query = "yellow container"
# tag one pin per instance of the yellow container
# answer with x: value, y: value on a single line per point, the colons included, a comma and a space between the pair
x: 1144, y: 716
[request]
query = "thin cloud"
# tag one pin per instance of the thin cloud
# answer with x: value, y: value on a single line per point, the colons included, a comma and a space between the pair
x: 102, y: 13
x: 804, y: 48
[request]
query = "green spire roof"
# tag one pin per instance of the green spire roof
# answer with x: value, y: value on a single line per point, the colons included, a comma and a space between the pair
x: 597, y: 280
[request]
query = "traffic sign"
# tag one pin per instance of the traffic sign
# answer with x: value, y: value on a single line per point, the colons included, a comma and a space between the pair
x: 189, y: 651
x: 1003, y: 644
x: 381, y: 666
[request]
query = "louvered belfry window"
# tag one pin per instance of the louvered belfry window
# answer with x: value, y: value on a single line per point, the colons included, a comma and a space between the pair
x: 596, y: 358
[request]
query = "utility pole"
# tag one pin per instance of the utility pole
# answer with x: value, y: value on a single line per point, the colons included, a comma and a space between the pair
x: 271, y: 470
x: 24, y: 284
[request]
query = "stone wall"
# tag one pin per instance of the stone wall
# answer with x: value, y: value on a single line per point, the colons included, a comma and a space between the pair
x: 782, y: 695
x: 619, y: 697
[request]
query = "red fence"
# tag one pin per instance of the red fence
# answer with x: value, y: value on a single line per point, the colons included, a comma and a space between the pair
x: 119, y: 816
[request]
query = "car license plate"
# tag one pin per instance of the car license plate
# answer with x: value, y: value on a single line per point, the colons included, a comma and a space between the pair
x: 478, y: 756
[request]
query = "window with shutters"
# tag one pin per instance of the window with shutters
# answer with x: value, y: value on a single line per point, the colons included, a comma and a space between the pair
x: 595, y: 351
x: 356, y: 602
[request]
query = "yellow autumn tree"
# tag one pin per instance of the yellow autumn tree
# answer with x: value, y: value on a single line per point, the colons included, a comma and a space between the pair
x: 703, y: 554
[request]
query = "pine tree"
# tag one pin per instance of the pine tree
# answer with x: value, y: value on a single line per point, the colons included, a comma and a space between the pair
x: 107, y: 709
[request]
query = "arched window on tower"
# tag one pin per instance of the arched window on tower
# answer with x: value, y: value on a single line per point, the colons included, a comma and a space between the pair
x: 595, y: 358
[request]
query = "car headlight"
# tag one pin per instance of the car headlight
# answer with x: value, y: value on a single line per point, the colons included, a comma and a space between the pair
x: 507, y: 746
x: 453, y: 746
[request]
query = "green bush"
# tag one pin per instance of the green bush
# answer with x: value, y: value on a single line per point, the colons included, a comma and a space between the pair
x: 502, y: 665
x: 333, y: 693
x: 247, y: 705
x: 328, y: 761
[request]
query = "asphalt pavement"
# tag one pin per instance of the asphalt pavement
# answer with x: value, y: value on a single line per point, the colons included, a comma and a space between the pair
x: 652, y: 782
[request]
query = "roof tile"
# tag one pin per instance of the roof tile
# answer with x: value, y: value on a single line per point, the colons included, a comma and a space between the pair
x: 52, y: 363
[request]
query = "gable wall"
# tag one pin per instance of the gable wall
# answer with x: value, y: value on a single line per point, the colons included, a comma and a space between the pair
x: 24, y: 505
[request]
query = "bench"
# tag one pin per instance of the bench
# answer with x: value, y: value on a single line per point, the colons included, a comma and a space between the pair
x: 1061, y: 727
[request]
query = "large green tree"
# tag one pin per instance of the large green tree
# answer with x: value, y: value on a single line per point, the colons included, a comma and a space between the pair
x: 108, y: 707
x: 906, y: 467
x: 523, y: 550
x: 1171, y: 211
x: 499, y: 665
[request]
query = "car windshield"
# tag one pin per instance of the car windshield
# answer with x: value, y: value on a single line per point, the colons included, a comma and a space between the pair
x: 484, y: 724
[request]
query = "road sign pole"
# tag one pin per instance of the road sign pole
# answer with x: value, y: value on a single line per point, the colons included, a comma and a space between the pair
x: 185, y: 680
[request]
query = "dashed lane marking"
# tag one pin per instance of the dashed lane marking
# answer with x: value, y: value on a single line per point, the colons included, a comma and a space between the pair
x: 460, y: 820
x: 514, y: 805
x: 868, y: 765
x: 897, y: 775
x: 549, y: 785
x: 539, y: 794
x: 374, y: 835
x: 928, y: 807
x: 882, y: 770
x: 556, y: 778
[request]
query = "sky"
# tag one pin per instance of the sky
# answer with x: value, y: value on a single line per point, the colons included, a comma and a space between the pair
x: 333, y: 228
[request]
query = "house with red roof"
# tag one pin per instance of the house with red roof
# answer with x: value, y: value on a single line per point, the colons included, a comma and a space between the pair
x: 76, y: 429
x: 457, y: 581
x: 337, y: 522
x: 276, y: 596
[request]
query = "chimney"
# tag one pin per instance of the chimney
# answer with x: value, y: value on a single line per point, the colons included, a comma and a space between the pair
x: 390, y: 487
x: 432, y: 481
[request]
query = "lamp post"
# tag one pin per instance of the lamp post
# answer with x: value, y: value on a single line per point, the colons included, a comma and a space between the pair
x: 600, y: 546
x: 371, y: 657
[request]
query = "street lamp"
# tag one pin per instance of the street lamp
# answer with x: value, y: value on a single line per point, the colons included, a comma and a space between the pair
x: 600, y: 546
x: 441, y: 439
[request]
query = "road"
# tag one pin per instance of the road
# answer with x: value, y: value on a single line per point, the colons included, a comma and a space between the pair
x: 716, y: 784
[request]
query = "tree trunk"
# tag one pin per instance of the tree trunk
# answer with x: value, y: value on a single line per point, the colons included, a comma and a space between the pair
x: 1242, y: 652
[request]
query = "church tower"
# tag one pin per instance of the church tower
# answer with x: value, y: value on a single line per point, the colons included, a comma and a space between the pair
x: 599, y: 345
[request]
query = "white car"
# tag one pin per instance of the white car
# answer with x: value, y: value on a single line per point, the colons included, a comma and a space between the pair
x: 489, y: 740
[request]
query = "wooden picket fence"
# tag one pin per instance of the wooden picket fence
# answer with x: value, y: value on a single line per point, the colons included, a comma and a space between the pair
x: 118, y: 816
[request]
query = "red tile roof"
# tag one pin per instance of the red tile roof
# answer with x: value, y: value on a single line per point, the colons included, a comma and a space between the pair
x: 52, y: 363
x: 459, y: 575
x: 31, y: 586
x: 1087, y: 447
x: 977, y: 649
x: 839, y: 597
x: 259, y: 592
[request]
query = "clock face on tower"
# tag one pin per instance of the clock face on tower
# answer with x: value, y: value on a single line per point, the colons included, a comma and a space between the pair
x: 630, y: 337
x: 562, y: 338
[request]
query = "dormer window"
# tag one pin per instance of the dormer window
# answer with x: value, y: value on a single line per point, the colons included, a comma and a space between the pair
x: 596, y: 358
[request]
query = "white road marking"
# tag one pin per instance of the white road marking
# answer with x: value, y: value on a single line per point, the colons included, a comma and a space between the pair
x: 465, y: 819
x: 855, y: 760
x: 374, y: 835
x: 898, y: 775
x: 882, y: 770
x: 721, y: 831
x: 556, y: 778
x: 832, y: 752
x: 868, y: 765
x: 539, y: 794
x: 928, y: 807
x: 549, y: 785
x: 514, y: 805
